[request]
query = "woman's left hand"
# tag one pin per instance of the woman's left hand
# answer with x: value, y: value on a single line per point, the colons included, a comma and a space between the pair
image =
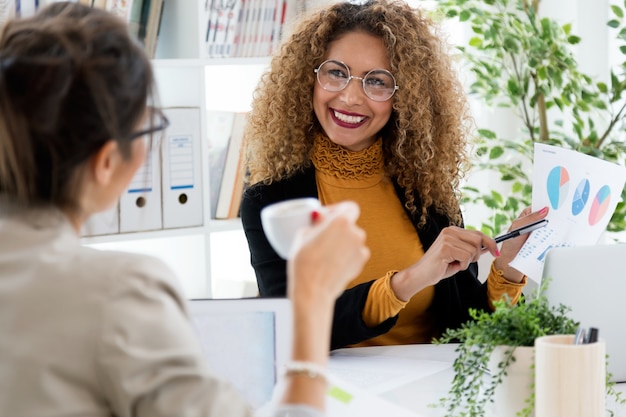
x: 511, y: 247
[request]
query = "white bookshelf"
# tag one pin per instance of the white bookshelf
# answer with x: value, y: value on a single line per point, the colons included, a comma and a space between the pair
x: 211, y: 260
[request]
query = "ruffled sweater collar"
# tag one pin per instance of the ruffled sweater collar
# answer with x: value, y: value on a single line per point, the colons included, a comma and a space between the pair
x: 333, y: 160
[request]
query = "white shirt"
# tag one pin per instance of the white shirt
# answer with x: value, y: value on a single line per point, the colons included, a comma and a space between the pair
x: 88, y: 333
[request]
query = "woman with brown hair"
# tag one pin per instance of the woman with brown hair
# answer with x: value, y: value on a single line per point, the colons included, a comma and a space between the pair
x: 102, y: 333
x: 362, y: 103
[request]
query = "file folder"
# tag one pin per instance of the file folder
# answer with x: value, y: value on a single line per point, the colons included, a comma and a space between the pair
x: 140, y: 204
x: 103, y: 223
x: 181, y: 169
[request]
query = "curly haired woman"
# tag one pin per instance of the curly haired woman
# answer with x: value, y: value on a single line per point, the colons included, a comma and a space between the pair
x: 362, y: 103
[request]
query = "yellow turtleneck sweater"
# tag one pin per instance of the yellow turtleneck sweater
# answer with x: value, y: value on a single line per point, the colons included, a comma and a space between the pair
x: 391, y: 237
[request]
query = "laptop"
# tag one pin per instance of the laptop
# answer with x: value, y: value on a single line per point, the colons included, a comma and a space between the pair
x: 591, y: 280
x: 246, y: 341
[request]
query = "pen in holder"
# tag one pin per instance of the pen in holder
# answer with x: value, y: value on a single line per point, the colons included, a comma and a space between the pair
x: 570, y: 379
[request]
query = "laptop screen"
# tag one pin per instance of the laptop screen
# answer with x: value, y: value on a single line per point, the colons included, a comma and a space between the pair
x: 245, y: 342
x: 589, y: 280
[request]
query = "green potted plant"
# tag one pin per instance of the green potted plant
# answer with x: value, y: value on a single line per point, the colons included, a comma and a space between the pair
x: 494, y: 366
x: 495, y: 342
x: 524, y: 62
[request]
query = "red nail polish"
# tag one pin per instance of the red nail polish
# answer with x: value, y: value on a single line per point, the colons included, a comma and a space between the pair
x: 497, y: 252
x: 543, y: 210
x: 315, y: 215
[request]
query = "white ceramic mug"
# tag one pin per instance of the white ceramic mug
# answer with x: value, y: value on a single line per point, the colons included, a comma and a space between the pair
x: 282, y: 220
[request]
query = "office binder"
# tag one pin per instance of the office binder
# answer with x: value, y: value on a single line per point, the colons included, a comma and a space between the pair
x: 103, y: 223
x: 181, y: 169
x: 140, y: 204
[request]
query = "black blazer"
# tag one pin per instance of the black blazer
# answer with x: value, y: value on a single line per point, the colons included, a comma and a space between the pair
x: 453, y: 296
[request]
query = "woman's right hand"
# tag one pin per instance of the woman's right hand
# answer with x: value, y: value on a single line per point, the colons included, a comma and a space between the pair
x: 328, y: 255
x: 454, y: 250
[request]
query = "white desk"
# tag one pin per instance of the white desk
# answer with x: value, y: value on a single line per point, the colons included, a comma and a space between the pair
x: 413, y: 377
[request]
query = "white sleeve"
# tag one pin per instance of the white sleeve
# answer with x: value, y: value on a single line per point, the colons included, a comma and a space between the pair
x: 149, y: 357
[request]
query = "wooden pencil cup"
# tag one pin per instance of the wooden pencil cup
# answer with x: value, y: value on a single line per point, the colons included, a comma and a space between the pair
x: 570, y: 380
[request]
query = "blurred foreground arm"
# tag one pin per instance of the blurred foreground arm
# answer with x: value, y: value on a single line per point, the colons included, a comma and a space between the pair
x: 326, y: 257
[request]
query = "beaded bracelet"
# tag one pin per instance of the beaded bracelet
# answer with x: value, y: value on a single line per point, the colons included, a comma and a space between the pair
x: 309, y: 369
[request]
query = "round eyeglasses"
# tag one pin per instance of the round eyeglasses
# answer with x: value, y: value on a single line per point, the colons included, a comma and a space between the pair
x: 378, y: 84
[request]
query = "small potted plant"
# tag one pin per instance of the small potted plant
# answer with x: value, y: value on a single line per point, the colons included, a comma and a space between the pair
x: 495, y: 361
x: 501, y: 342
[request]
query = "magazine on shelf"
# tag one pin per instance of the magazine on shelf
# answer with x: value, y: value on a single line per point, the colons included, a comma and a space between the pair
x: 232, y: 178
x: 219, y: 126
x: 151, y: 15
x: 245, y: 28
x: 143, y: 18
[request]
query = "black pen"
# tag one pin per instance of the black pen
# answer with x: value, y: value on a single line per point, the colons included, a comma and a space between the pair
x: 524, y: 229
x: 592, y: 335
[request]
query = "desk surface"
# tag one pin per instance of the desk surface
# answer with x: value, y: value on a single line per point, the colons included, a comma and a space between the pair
x: 414, y: 377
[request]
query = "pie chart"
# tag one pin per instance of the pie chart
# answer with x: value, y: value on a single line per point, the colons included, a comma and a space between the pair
x: 581, y: 196
x: 600, y: 205
x: 557, y: 186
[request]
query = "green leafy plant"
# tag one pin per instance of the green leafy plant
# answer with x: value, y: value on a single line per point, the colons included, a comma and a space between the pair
x: 510, y: 325
x: 612, y: 392
x: 522, y: 61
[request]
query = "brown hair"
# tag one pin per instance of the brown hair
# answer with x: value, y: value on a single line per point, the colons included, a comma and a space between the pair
x: 71, y: 78
x: 425, y: 138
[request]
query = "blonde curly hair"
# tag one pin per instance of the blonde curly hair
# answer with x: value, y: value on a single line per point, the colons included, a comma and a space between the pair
x: 424, y: 141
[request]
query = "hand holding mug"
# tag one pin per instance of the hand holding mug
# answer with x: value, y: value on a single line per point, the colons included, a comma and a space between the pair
x: 281, y: 221
x: 328, y: 255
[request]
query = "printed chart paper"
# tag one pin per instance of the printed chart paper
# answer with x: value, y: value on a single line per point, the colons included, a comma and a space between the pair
x: 581, y: 193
